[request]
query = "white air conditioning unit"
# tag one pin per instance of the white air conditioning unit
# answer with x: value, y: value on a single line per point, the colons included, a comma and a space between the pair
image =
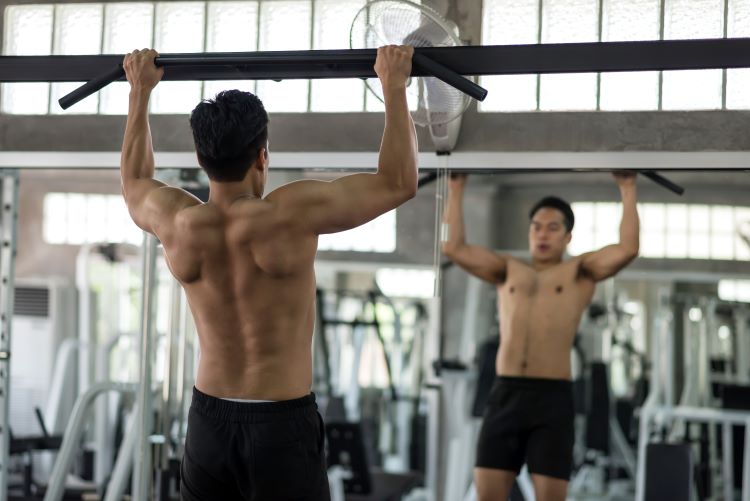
x: 44, y: 316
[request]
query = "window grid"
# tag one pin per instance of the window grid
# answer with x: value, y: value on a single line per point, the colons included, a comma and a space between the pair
x: 668, y: 231
x: 359, y: 103
x: 723, y: 103
x: 722, y: 80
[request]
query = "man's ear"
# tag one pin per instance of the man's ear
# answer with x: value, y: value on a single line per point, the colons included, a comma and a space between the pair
x: 568, y: 237
x: 262, y: 159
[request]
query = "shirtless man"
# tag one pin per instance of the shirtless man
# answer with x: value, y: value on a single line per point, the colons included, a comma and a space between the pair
x: 529, y: 416
x: 246, y: 264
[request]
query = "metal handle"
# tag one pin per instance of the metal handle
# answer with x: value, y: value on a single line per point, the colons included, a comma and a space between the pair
x: 91, y: 86
x: 450, y: 77
x: 301, y: 58
x: 663, y: 181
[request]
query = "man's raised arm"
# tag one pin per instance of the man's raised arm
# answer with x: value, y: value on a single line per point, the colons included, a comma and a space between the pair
x: 480, y: 262
x: 329, y: 207
x: 606, y: 262
x: 151, y: 203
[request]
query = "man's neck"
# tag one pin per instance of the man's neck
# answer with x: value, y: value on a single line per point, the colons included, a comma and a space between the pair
x: 225, y: 194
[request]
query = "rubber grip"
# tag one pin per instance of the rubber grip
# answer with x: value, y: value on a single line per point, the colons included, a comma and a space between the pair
x: 450, y: 77
x: 663, y: 181
x: 91, y: 86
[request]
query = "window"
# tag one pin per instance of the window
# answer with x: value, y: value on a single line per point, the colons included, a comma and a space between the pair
x: 82, y: 218
x: 674, y: 231
x: 734, y: 290
x: 379, y: 235
x: 400, y: 282
x: 566, y: 21
x: 184, y: 26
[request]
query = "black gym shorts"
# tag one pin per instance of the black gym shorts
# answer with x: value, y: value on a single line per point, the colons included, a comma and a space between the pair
x: 268, y: 451
x: 528, y: 420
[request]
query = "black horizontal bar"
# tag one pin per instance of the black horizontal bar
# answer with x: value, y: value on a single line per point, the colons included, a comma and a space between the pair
x: 420, y: 65
x: 473, y: 60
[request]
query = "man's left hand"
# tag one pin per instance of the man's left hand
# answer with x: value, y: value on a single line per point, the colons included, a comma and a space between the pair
x: 624, y: 178
x: 140, y: 69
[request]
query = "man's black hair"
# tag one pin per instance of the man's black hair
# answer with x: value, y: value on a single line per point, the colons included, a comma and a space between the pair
x: 229, y: 131
x: 559, y: 204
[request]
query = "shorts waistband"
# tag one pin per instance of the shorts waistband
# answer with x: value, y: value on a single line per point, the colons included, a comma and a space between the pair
x: 535, y: 383
x: 250, y: 412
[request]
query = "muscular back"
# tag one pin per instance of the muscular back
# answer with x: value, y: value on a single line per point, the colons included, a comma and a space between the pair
x: 246, y: 263
x: 250, y: 283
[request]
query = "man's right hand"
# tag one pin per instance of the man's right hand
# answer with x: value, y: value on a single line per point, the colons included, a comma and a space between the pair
x: 457, y: 181
x: 393, y: 66
x: 140, y: 69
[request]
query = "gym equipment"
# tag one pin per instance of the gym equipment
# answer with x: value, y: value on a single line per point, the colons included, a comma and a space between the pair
x: 346, y: 449
x: 29, y: 444
x: 72, y: 434
x: 477, y: 60
x: 737, y: 397
x: 660, y: 416
x: 279, y: 61
x: 370, y: 429
x: 671, y: 483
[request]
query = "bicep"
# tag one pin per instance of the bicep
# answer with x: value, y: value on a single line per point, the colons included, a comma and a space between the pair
x: 481, y: 262
x: 605, y: 262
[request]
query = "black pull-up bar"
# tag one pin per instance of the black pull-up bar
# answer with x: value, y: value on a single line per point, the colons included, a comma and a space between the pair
x: 653, y: 176
x: 423, y: 64
x: 358, y: 63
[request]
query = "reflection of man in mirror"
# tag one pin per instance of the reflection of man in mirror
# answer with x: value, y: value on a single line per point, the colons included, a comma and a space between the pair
x: 246, y: 262
x: 530, y: 415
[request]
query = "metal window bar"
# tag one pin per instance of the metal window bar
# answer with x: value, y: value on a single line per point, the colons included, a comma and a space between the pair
x: 313, y: 6
x: 724, y: 70
x: 101, y: 51
x: 205, y: 43
x: 52, y: 51
x: 257, y: 36
x: 662, y: 14
x: 8, y: 222
x: 599, y: 39
x: 540, y: 20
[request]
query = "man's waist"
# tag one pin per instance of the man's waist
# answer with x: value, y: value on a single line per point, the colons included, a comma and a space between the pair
x: 534, y: 382
x: 221, y: 408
